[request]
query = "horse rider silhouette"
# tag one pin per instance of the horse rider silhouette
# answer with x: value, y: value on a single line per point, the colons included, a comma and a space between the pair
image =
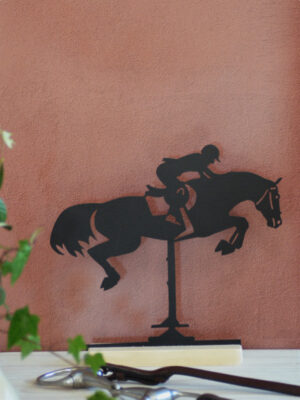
x: 124, y: 221
x: 175, y: 192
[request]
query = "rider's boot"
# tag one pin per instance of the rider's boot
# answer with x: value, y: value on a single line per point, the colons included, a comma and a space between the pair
x: 174, y: 216
x: 176, y: 196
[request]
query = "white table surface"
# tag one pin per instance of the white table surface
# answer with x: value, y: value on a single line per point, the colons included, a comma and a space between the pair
x: 279, y: 365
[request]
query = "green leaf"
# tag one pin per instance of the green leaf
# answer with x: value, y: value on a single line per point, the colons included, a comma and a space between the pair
x: 23, y: 325
x: 1, y: 172
x: 16, y: 266
x: 75, y: 346
x: 95, y: 361
x: 100, y: 396
x: 2, y: 296
x: 5, y: 226
x: 27, y: 346
x: 6, y: 136
x: 3, y: 211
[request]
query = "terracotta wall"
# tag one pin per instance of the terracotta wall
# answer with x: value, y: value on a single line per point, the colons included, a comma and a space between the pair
x: 96, y: 93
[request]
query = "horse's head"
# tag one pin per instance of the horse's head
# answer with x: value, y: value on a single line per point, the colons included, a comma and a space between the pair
x: 268, y: 205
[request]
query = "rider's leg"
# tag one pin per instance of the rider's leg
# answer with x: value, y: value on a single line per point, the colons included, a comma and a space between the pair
x: 166, y: 177
x: 175, y: 216
x: 186, y: 222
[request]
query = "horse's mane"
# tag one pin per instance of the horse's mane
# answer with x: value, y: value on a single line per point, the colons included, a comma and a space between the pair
x: 247, y: 177
x: 240, y: 184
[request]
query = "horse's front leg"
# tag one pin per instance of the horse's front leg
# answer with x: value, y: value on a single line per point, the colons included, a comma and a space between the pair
x: 238, y: 236
x: 236, y: 240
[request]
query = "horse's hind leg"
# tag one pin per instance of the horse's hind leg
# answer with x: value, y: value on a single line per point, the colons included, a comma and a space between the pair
x: 112, y: 248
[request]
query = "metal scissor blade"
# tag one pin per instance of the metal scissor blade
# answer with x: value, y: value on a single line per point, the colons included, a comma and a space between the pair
x: 75, y: 377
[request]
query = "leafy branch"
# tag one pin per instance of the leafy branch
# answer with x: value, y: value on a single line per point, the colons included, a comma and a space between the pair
x: 22, y: 325
x: 94, y: 361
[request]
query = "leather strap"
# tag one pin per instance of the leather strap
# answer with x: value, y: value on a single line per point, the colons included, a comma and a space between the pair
x: 163, y: 374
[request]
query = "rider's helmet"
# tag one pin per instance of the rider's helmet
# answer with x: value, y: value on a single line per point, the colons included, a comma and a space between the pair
x: 211, y: 153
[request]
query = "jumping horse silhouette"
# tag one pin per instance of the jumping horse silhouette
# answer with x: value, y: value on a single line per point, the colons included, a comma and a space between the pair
x: 124, y: 221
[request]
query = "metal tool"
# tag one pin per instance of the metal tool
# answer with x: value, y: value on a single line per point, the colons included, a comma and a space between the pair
x: 83, y: 377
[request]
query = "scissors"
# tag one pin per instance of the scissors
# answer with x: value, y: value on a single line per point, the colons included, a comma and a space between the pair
x: 83, y: 377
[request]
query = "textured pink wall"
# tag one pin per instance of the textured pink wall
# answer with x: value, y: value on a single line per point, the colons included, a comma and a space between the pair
x: 97, y: 93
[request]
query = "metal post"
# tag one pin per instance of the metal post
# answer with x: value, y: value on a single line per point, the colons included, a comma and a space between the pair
x: 172, y: 284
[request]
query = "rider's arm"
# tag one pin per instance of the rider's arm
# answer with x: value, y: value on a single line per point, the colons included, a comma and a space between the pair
x: 207, y: 171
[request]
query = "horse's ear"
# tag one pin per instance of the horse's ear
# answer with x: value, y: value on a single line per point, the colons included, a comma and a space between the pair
x: 278, y: 180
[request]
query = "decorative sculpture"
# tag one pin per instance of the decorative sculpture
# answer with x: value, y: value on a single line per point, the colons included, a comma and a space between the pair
x: 124, y: 221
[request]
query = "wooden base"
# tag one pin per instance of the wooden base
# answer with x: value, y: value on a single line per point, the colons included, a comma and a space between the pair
x: 160, y: 356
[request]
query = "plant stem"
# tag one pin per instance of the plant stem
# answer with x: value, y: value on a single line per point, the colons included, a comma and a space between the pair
x: 54, y: 353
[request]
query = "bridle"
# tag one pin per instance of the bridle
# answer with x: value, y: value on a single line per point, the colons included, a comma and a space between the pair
x: 268, y: 191
x: 263, y: 197
x: 267, y: 203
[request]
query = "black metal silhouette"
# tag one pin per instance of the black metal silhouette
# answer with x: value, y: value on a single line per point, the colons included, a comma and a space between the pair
x: 125, y: 220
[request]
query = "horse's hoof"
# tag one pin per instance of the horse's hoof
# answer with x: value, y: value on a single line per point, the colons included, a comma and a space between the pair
x: 225, y: 247
x: 229, y: 248
x: 221, y: 245
x: 109, y: 283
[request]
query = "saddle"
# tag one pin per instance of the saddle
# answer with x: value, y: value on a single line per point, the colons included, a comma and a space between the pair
x: 175, y: 197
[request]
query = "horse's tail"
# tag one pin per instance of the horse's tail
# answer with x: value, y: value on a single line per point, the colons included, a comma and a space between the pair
x: 72, y: 226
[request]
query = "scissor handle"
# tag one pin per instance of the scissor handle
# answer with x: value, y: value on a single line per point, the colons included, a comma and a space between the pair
x: 59, y: 377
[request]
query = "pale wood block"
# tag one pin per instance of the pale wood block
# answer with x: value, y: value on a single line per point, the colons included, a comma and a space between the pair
x: 160, y: 356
